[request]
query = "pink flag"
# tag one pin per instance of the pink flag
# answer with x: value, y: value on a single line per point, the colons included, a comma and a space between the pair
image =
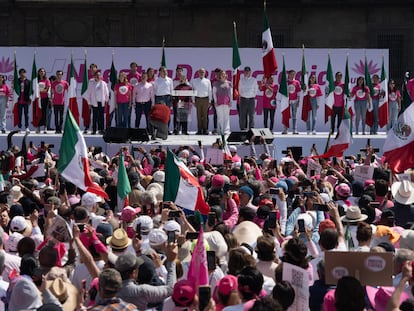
x: 198, y: 271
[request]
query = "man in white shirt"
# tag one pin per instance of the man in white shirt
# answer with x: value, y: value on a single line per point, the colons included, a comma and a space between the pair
x: 97, y: 96
x: 163, y: 87
x: 202, y: 101
x: 247, y: 89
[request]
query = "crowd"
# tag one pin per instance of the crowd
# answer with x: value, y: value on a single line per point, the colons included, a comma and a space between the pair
x: 66, y: 249
x: 144, y: 92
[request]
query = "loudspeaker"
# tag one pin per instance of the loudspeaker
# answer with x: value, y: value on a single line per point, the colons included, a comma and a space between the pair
x: 138, y: 134
x: 259, y: 133
x: 296, y: 152
x: 237, y: 137
x: 116, y: 135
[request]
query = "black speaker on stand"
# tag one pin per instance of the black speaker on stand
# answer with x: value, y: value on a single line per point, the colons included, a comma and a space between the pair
x: 260, y: 133
x: 237, y: 137
x: 139, y: 134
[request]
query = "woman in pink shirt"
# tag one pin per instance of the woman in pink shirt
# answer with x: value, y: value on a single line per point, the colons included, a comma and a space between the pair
x: 362, y: 102
x: 269, y: 89
x: 4, y: 102
x: 123, y: 92
x: 315, y: 94
x: 44, y: 86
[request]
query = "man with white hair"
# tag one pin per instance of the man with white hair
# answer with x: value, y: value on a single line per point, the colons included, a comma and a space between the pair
x: 90, y: 201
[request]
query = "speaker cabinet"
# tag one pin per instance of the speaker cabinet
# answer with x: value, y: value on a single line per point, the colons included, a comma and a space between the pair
x: 258, y: 133
x: 237, y: 137
x: 118, y: 135
x: 138, y: 134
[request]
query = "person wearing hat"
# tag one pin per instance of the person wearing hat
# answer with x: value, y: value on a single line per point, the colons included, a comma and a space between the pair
x: 110, y: 282
x: 294, y: 93
x: 352, y: 217
x: 142, y: 294
x: 202, y: 100
x: 90, y: 201
x: 403, y: 194
x: 248, y: 88
x: 182, y: 297
x: 246, y: 197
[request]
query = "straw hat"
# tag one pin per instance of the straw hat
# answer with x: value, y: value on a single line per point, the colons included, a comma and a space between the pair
x: 119, y: 239
x: 247, y: 232
x: 65, y: 292
x: 353, y: 214
x: 403, y: 192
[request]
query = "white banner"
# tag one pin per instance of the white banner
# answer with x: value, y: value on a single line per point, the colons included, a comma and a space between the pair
x: 191, y: 59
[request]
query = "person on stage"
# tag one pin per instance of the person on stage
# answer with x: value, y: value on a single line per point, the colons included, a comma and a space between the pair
x: 133, y: 77
x: 97, y: 95
x: 23, y: 102
x: 394, y: 104
x: 294, y: 94
x: 222, y: 94
x: 44, y: 86
x: 163, y: 88
x: 248, y: 90
x: 362, y: 102
x: 123, y: 99
x: 269, y: 89
x: 59, y: 87
x: 183, y: 104
x: 375, y: 103
x: 339, y: 102
x: 315, y: 93
x: 202, y: 101
x: 143, y: 98
x: 4, y: 102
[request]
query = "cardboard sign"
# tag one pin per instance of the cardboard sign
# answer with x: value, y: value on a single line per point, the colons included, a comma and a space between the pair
x: 373, y: 269
x: 299, y: 279
x: 363, y: 172
x: 214, y: 156
x: 313, y: 166
x: 60, y: 229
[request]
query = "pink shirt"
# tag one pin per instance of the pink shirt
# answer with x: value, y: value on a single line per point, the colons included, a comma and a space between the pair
x: 339, y: 94
x: 44, y: 86
x: 314, y: 90
x: 394, y: 95
x: 134, y: 78
x: 123, y: 93
x: 4, y: 90
x: 58, y: 91
x: 143, y: 92
x: 269, y: 95
x: 360, y: 93
x: 293, y: 89
x: 377, y: 90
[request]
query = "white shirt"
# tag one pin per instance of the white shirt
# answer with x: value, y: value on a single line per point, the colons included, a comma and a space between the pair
x: 11, y: 262
x: 97, y: 92
x: 163, y: 86
x: 3, y: 289
x: 203, y: 88
x: 248, y: 87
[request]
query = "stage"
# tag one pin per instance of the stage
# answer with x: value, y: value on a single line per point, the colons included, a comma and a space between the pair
x: 280, y: 142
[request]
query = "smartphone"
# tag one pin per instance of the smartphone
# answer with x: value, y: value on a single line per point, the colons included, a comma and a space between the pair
x: 211, y: 219
x: 199, y: 143
x: 375, y: 204
x: 50, y: 146
x: 170, y: 237
x: 312, y: 172
x: 144, y: 210
x: 274, y: 190
x: 334, y: 161
x: 166, y: 205
x: 211, y: 260
x: 301, y: 225
x: 272, y: 220
x: 226, y: 187
x: 191, y: 236
x: 81, y: 227
x: 138, y: 231
x: 320, y: 207
x: 204, y: 296
x: 174, y: 214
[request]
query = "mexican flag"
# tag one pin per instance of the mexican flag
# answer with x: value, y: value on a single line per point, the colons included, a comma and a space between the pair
x: 383, y: 102
x: 181, y: 187
x: 16, y: 93
x: 236, y: 62
x: 123, y: 186
x: 73, y: 103
x: 306, y: 105
x: 73, y: 161
x: 112, y: 79
x: 330, y: 90
x: 35, y: 94
x: 399, y: 144
x: 268, y: 54
x: 370, y: 112
x: 86, y: 112
x: 283, y: 97
x: 342, y: 140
